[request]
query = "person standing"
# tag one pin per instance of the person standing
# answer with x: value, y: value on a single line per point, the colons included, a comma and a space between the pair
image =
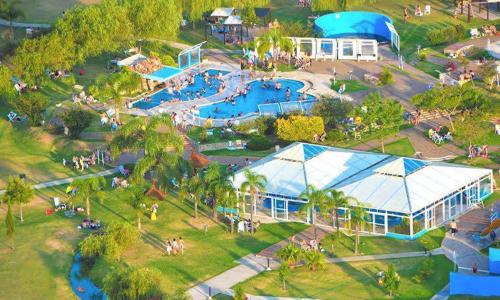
x: 181, y: 245
x: 453, y: 227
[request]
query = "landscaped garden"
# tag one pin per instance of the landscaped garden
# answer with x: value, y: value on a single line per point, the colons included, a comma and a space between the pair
x: 167, y: 222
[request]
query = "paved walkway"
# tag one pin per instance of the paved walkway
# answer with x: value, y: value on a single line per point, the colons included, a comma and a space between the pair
x: 69, y: 180
x: 23, y: 25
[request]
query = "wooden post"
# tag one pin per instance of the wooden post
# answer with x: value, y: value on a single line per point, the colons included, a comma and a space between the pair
x: 469, y: 12
x: 488, y: 11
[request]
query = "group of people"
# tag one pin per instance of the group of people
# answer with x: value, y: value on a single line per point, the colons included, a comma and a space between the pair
x: 83, y: 162
x: 82, y: 97
x: 312, y: 245
x: 112, y: 122
x: 418, y: 12
x: 489, y: 30
x: 174, y: 247
x: 119, y: 182
x: 438, y: 136
x: 466, y: 75
x: 147, y: 66
x: 478, y: 151
x: 304, y: 3
x: 90, y: 224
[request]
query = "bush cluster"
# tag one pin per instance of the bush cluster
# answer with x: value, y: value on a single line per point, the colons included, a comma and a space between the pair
x: 444, y: 35
x: 425, y: 271
x: 259, y: 143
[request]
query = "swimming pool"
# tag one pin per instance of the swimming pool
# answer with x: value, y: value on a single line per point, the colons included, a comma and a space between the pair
x: 244, y: 105
x: 354, y: 24
x: 188, y: 93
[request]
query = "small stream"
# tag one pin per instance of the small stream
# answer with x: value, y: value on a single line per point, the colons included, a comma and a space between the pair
x: 83, y: 287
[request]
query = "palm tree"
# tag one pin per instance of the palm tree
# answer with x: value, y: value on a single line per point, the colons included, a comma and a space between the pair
x: 315, y: 200
x: 314, y: 260
x: 196, y: 188
x: 86, y: 187
x: 273, y: 39
x: 359, y: 217
x: 334, y: 201
x: 163, y: 146
x: 290, y: 254
x: 11, y: 13
x: 138, y: 201
x: 18, y: 191
x: 229, y: 200
x: 117, y: 85
x: 217, y: 178
x: 254, y: 183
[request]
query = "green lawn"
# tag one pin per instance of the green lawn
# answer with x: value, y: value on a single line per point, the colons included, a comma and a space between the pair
x: 351, y: 86
x: 239, y: 152
x: 37, y: 154
x: 402, y: 147
x: 430, y: 68
x: 371, y: 245
x: 206, y: 254
x: 352, y: 281
x: 46, y: 11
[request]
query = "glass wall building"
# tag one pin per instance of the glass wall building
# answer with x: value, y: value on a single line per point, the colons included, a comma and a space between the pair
x: 404, y: 197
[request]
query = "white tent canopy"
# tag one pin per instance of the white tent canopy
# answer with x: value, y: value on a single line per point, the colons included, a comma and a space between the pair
x: 233, y: 20
x: 131, y: 60
x: 222, y: 12
x: 378, y: 181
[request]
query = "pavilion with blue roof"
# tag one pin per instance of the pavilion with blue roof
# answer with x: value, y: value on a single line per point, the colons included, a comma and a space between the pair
x: 405, y: 197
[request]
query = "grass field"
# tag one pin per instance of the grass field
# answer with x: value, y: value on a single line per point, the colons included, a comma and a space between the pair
x: 46, y: 11
x: 352, y: 281
x: 372, y: 245
x: 351, y: 86
x: 402, y: 147
x: 207, y: 254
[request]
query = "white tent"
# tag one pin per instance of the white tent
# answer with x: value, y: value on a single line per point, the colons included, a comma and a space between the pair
x: 131, y: 60
x: 397, y: 191
x: 222, y: 12
x: 233, y: 20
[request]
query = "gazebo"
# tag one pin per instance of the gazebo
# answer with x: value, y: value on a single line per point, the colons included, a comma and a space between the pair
x: 233, y: 22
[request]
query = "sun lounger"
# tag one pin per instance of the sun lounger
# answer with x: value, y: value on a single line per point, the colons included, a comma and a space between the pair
x: 12, y: 116
x: 474, y: 33
x: 427, y: 10
x: 57, y: 202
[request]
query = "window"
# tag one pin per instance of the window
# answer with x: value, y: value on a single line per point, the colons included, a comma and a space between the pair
x: 367, y: 49
x: 348, y: 49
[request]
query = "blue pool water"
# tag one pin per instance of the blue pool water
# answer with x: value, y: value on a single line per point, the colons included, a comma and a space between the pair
x: 88, y: 290
x: 354, y: 24
x: 188, y: 93
x: 257, y: 95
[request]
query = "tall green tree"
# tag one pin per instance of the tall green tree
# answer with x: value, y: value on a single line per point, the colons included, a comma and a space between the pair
x: 359, y: 217
x: 32, y: 105
x: 283, y: 274
x: 452, y: 100
x: 10, y: 225
x: 273, y: 40
x: 139, y: 200
x: 157, y: 137
x: 248, y: 16
x: 149, y: 17
x: 229, y: 201
x: 196, y: 190
x: 86, y: 188
x: 7, y: 90
x: 133, y: 283
x: 383, y: 116
x: 114, y: 87
x: 334, y: 201
x: 254, y: 184
x: 76, y: 119
x: 18, y: 192
x: 218, y: 181
x: 332, y: 111
x: 316, y: 200
x: 11, y: 13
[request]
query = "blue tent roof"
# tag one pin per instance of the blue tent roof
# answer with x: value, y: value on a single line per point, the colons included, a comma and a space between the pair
x: 311, y: 151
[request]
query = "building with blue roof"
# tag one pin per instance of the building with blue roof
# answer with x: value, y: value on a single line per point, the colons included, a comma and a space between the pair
x: 405, y: 197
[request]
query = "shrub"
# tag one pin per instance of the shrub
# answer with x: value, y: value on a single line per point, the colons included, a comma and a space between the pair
x: 386, y: 77
x: 265, y: 124
x: 448, y: 34
x: 422, y: 55
x: 33, y: 106
x: 299, y: 128
x: 259, y: 143
x: 425, y: 271
x: 117, y: 238
x: 167, y: 60
x: 334, y: 135
x: 203, y: 136
x: 76, y: 119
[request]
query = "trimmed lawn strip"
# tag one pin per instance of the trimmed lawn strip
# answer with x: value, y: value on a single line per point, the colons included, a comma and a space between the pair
x: 352, y: 280
x: 351, y: 86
